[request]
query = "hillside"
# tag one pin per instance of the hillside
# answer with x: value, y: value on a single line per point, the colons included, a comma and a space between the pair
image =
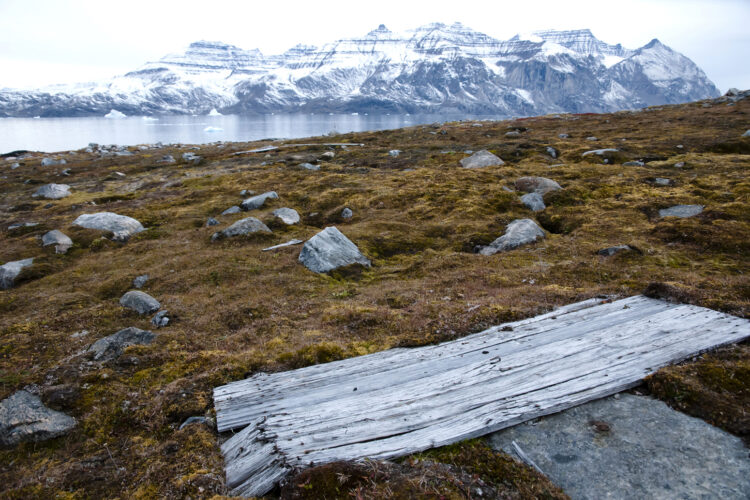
x: 430, y: 69
x: 417, y: 215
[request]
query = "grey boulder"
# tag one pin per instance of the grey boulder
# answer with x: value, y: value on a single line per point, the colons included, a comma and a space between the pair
x: 52, y: 191
x: 533, y: 201
x: 347, y: 213
x: 61, y: 241
x: 139, y: 281
x: 540, y: 185
x: 481, y: 159
x: 111, y: 347
x: 329, y: 250
x: 212, y: 222
x: 242, y: 227
x: 681, y: 211
x: 24, y: 418
x: 309, y: 166
x: 140, y: 302
x: 231, y: 210
x: 160, y: 319
x: 259, y: 200
x: 517, y: 233
x: 286, y: 215
x: 122, y: 227
x: 10, y: 271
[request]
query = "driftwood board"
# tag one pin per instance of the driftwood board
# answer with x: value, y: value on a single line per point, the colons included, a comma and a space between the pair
x: 402, y: 401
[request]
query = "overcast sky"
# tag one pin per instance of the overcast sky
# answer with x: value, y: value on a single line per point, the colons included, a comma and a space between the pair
x: 54, y: 41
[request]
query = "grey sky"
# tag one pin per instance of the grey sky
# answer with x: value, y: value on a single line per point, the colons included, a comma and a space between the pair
x: 53, y: 41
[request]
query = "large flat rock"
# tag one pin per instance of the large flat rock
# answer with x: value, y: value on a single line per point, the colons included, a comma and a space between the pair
x: 629, y: 446
x: 23, y: 418
x: 122, y: 227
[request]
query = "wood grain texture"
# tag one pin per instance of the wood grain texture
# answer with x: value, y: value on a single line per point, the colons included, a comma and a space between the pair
x: 402, y: 401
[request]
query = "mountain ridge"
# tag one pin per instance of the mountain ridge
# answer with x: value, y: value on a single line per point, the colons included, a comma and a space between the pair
x: 432, y: 68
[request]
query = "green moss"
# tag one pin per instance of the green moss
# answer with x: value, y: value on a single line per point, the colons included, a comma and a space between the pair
x: 324, y: 352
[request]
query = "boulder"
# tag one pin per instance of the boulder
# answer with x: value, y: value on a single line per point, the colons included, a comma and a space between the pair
x: 213, y: 222
x: 286, y: 215
x: 242, y: 227
x: 61, y: 241
x: 517, y: 233
x: 111, y: 347
x: 140, y: 302
x: 10, y: 271
x: 347, y: 213
x: 258, y: 200
x: 540, y: 185
x: 533, y: 201
x: 160, y: 319
x: 309, y: 166
x: 231, y: 210
x: 139, y: 281
x: 167, y: 159
x: 24, y: 418
x: 747, y: 133
x: 481, y: 159
x: 122, y: 227
x: 394, y: 152
x: 681, y: 211
x: 52, y: 191
x: 329, y: 250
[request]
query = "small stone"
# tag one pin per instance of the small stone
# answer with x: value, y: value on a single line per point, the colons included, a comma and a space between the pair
x: 213, y: 222
x: 540, y: 185
x: 167, y: 159
x: 599, y: 152
x: 122, y: 227
x: 347, y: 213
x: 554, y: 153
x: 286, y: 215
x: 517, y: 233
x: 10, y: 271
x: 592, y: 138
x: 242, y: 227
x: 52, y: 191
x: 328, y: 155
x: 66, y: 172
x: 61, y: 241
x: 661, y: 181
x: 160, y: 319
x: 513, y: 133
x: 24, y: 418
x: 329, y: 250
x: 16, y: 165
x: 533, y: 201
x: 140, y: 302
x: 139, y: 281
x: 258, y: 201
x: 633, y: 164
x: 481, y: 159
x: 50, y: 162
x: 309, y: 166
x: 231, y: 210
x: 747, y: 133
x: 609, y: 252
x: 111, y: 347
x: 394, y: 152
x: 563, y: 136
x: 681, y: 211
x: 679, y: 164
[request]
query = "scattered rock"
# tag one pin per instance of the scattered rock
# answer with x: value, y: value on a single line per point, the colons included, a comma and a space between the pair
x: 191, y: 157
x: 282, y: 245
x: 51, y: 162
x: 213, y: 222
x: 329, y: 250
x: 24, y: 418
x: 328, y: 155
x: 10, y: 271
x: 609, y: 252
x: 167, y: 159
x: 661, y: 181
x: 394, y: 152
x: 533, y: 201
x: 747, y: 133
x: 242, y: 227
x: 563, y: 136
x: 139, y: 281
x: 600, y: 152
x: 194, y: 420
x: 347, y: 213
x: 258, y: 201
x: 16, y: 165
x: 111, y: 347
x: 679, y: 164
x: 52, y: 191
x: 513, y: 133
x: 681, y: 211
x: 554, y: 153
x: 633, y: 164
x: 517, y: 233
x: 61, y: 241
x: 540, y: 185
x: 592, y: 138
x: 231, y: 210
x: 309, y: 166
x: 286, y: 215
x: 140, y: 302
x: 18, y: 225
x: 481, y: 159
x: 160, y: 319
x: 122, y: 227
x: 66, y: 172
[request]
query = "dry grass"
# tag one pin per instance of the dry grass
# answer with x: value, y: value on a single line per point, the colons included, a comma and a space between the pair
x: 238, y: 310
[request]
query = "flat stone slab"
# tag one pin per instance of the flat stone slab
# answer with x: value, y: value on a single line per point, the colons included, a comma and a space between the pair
x: 10, y: 271
x: 681, y: 211
x: 329, y: 250
x: 629, y: 446
x: 110, y: 347
x: 481, y: 159
x: 24, y: 418
x: 122, y: 227
x: 598, y: 152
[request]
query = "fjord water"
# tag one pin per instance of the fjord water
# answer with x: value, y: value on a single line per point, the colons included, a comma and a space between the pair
x: 60, y: 134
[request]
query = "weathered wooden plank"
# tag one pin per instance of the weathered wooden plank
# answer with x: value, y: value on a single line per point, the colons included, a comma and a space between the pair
x: 406, y: 400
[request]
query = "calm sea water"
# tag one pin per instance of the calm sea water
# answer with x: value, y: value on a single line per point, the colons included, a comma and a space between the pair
x: 59, y: 134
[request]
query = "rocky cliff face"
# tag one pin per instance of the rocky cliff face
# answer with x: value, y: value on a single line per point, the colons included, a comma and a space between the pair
x: 434, y: 68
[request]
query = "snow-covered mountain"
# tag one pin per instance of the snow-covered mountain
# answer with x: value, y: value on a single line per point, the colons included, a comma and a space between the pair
x: 434, y: 68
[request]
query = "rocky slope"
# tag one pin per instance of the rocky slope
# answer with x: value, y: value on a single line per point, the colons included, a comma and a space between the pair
x: 434, y: 68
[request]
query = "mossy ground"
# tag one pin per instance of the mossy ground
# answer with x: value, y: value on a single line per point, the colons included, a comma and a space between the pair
x: 237, y: 310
